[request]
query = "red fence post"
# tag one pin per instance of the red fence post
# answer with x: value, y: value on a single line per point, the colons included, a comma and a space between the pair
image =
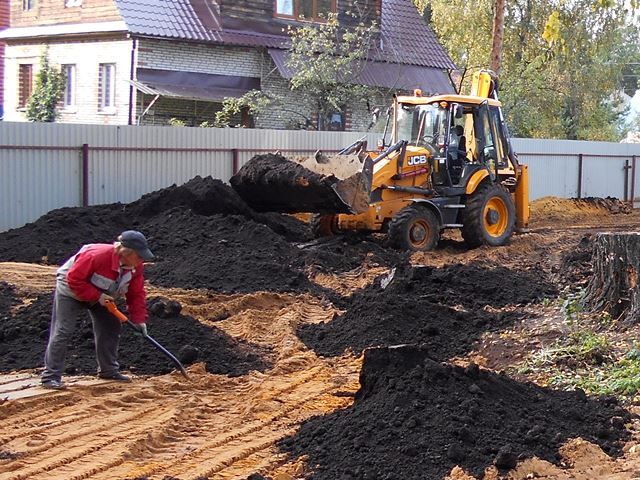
x: 633, y: 180
x: 626, y: 169
x: 236, y: 160
x: 579, y: 175
x: 85, y: 175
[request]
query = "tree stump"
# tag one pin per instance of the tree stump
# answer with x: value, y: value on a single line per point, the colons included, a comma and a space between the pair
x: 613, y: 288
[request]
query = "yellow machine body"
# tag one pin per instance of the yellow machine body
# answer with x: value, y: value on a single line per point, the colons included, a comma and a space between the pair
x: 414, y: 166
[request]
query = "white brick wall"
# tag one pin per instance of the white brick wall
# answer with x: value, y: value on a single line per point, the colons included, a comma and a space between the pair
x: 226, y: 60
x: 193, y: 57
x: 86, y: 56
x: 165, y: 55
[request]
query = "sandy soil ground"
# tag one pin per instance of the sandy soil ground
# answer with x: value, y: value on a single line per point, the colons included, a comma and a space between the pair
x: 219, y: 427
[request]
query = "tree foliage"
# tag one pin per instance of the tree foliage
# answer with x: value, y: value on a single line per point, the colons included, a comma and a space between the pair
x: 254, y: 101
x: 47, y: 93
x: 325, y: 60
x: 563, y: 63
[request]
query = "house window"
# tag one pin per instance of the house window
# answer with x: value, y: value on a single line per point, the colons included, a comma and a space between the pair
x: 334, y: 121
x: 28, y: 4
x: 106, y: 87
x: 25, y: 82
x: 70, y: 85
x: 308, y: 9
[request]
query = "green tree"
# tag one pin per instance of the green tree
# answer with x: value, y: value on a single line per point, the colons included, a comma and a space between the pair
x: 254, y: 101
x: 326, y: 59
x: 562, y: 62
x: 47, y: 93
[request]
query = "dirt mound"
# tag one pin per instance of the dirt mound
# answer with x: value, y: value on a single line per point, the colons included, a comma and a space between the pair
x: 414, y: 418
x: 349, y: 250
x: 23, y: 338
x: 270, y: 182
x: 223, y: 253
x: 446, y: 308
x: 549, y: 209
x: 205, y: 196
x: 7, y: 298
x: 57, y: 235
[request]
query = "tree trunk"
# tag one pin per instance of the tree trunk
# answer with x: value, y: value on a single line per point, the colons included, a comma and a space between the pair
x: 613, y: 288
x: 498, y: 36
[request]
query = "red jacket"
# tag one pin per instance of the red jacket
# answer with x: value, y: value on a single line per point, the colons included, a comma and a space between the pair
x: 96, y: 269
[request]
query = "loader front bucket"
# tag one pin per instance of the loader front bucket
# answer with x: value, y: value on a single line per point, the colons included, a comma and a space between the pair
x: 316, y: 184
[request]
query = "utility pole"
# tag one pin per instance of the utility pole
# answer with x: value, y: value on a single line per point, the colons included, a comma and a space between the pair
x: 498, y: 36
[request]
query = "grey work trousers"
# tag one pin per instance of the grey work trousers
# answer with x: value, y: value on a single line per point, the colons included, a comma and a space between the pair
x: 64, y: 317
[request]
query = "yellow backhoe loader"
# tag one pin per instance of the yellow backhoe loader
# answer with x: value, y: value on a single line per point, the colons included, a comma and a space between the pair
x: 449, y: 164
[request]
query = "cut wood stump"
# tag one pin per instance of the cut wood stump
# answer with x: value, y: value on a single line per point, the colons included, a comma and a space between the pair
x: 613, y: 288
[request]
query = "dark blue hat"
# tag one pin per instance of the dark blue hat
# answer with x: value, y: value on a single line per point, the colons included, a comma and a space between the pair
x: 135, y: 241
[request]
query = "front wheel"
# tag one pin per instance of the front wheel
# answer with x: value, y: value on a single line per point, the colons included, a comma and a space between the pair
x: 489, y: 216
x: 414, y: 228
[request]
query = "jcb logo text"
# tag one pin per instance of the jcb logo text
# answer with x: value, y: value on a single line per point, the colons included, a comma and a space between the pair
x: 417, y: 160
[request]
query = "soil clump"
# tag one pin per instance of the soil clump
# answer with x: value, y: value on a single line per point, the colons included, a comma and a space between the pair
x: 24, y: 336
x: 7, y: 298
x: 57, y: 235
x: 415, y: 418
x: 271, y: 182
x: 203, y: 236
x: 446, y: 308
x: 552, y: 210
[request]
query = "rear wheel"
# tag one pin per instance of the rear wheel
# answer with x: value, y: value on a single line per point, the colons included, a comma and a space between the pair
x: 489, y: 216
x: 414, y: 228
x: 324, y: 225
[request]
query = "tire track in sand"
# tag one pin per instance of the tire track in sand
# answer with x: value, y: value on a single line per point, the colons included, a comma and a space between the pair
x: 110, y: 438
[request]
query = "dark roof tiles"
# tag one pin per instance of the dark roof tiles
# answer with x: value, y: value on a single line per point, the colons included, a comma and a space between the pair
x: 405, y: 36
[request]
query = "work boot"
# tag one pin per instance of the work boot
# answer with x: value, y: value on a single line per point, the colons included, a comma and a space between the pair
x: 52, y: 384
x: 117, y: 376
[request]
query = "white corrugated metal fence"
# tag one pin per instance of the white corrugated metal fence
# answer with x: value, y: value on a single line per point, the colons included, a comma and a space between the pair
x: 42, y: 166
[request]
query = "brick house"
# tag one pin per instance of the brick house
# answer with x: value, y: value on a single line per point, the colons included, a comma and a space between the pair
x: 146, y: 61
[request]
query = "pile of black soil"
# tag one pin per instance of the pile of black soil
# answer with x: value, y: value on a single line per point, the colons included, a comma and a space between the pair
x: 445, y: 308
x: 23, y: 338
x: 270, y: 182
x: 612, y: 204
x: 348, y: 251
x: 7, y: 298
x: 204, y: 196
x: 222, y: 252
x: 57, y: 235
x: 415, y: 418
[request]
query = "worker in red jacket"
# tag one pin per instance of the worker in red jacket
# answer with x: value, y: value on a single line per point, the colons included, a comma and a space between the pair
x: 97, y: 274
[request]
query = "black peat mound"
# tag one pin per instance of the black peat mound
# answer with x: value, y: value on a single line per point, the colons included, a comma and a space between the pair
x: 415, y: 418
x: 445, y: 308
x: 23, y: 338
x: 273, y: 183
x: 612, y: 204
x: 7, y: 298
x: 57, y: 235
x: 226, y: 253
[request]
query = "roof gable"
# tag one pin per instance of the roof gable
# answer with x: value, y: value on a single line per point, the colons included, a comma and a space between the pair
x: 404, y: 35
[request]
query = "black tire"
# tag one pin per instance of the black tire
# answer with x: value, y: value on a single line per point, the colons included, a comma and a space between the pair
x: 489, y: 216
x: 323, y: 225
x: 414, y: 228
